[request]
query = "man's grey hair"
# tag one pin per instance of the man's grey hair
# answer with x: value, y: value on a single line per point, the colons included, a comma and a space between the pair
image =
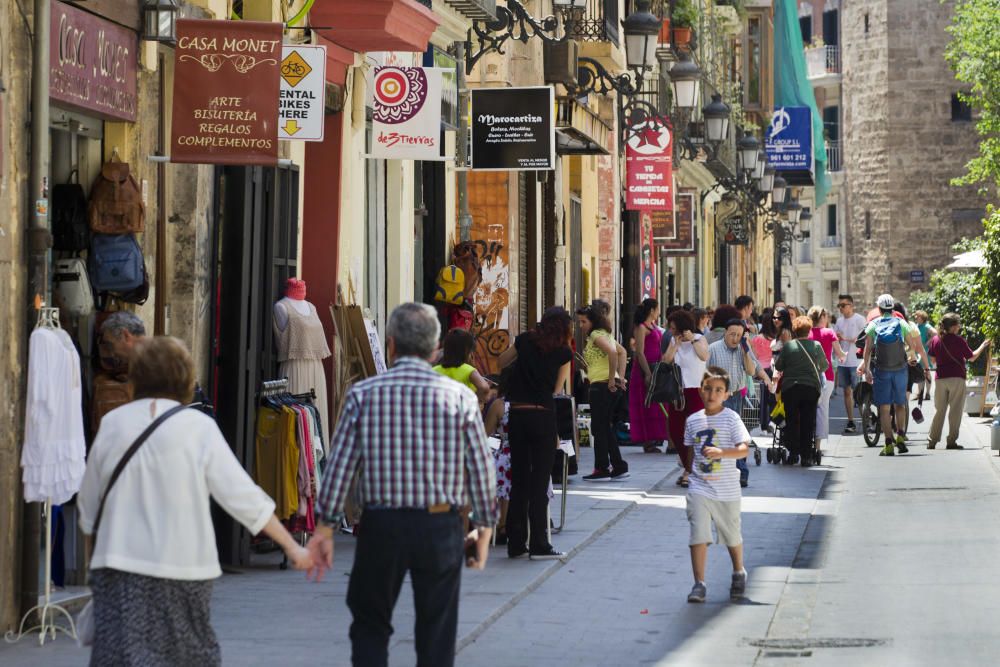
x: 415, y: 329
x: 123, y: 321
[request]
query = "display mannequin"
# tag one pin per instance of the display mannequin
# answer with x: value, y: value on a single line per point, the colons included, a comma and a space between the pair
x: 302, y: 347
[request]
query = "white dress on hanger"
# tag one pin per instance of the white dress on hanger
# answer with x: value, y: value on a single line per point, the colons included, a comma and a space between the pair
x: 53, y: 459
x: 302, y: 347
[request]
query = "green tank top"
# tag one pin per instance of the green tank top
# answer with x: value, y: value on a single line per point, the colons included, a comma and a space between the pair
x: 462, y: 374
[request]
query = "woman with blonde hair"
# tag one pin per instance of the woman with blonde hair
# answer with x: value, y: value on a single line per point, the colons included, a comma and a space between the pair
x: 827, y: 339
x: 151, y: 471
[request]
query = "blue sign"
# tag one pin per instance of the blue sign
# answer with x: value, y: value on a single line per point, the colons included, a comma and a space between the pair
x: 917, y: 276
x: 789, y: 143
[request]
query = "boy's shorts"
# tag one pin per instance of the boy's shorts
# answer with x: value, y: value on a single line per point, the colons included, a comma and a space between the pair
x: 702, y: 512
x: 847, y: 377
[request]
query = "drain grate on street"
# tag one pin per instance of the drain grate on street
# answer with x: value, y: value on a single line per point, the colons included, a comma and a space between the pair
x: 805, y: 643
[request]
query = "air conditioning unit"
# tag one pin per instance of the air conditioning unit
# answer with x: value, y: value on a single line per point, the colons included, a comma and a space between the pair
x: 561, y: 62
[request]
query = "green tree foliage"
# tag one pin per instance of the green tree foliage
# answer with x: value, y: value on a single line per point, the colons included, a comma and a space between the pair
x: 974, y: 54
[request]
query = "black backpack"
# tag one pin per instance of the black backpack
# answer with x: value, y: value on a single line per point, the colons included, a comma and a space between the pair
x: 70, y: 227
x: 666, y: 386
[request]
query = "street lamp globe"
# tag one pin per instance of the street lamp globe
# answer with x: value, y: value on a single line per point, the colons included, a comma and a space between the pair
x: 779, y: 188
x: 805, y: 218
x: 685, y: 78
x: 758, y: 171
x: 159, y: 21
x: 767, y: 180
x: 716, y: 115
x: 642, y: 30
x: 794, y: 211
x: 749, y: 151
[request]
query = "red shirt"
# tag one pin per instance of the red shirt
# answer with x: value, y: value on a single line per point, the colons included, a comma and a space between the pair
x: 950, y: 352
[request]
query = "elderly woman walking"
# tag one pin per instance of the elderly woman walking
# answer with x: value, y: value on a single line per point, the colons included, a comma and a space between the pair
x: 801, y: 365
x: 154, y: 558
x: 950, y: 352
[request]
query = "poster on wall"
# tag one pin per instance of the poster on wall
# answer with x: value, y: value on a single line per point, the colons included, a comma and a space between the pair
x: 789, y: 139
x: 406, y: 119
x: 513, y: 129
x: 226, y: 92
x: 649, y: 168
x: 682, y: 243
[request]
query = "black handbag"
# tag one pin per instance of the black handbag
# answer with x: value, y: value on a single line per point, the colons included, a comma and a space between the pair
x: 666, y: 385
x: 915, y: 374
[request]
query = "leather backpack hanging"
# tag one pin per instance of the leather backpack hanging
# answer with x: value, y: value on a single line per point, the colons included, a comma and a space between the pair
x: 116, y: 201
x: 70, y: 232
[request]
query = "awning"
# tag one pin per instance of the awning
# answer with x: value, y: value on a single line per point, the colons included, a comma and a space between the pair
x: 974, y: 259
x: 580, y: 131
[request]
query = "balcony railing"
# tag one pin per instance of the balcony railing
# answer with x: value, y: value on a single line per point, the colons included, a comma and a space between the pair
x: 830, y: 242
x: 599, y: 22
x: 822, y: 61
x: 833, y: 162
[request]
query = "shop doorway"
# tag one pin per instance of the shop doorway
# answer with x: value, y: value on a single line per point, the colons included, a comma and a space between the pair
x: 255, y: 242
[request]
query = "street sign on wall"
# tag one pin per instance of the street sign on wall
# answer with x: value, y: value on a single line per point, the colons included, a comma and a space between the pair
x: 789, y: 143
x: 649, y: 168
x: 513, y: 129
x: 226, y: 80
x: 301, y: 101
x: 406, y: 121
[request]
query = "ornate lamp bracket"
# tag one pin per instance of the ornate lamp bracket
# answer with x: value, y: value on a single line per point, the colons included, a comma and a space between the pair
x: 512, y: 22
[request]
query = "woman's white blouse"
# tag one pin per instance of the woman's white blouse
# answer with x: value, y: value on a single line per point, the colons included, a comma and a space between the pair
x: 157, y: 520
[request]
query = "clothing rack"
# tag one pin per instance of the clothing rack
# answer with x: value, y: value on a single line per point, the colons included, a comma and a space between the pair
x: 48, y: 318
x: 273, y: 388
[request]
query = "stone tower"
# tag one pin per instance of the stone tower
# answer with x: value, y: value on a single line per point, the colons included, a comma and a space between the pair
x: 904, y: 140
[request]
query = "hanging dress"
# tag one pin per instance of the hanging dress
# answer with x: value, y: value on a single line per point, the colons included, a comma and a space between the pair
x: 54, y: 453
x: 302, y: 348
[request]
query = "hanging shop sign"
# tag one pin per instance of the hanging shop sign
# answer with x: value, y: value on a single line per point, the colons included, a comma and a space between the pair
x: 682, y: 242
x: 648, y: 257
x: 789, y: 139
x: 435, y: 57
x: 513, y: 129
x: 226, y: 83
x: 301, y: 97
x: 406, y: 118
x: 649, y: 168
x: 93, y: 65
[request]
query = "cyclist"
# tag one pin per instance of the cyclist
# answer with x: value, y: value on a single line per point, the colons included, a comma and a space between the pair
x: 887, y: 337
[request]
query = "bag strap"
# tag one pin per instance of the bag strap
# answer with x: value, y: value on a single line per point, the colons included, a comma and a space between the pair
x: 812, y: 363
x: 945, y: 346
x: 128, y: 455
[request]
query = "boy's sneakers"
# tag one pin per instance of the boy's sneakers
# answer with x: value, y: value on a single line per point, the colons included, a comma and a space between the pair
x: 598, y: 476
x: 901, y: 444
x: 698, y: 592
x: 850, y: 428
x: 887, y: 450
x: 739, y: 586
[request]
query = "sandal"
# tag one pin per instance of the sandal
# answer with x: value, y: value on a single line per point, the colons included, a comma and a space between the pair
x: 682, y: 481
x: 650, y: 449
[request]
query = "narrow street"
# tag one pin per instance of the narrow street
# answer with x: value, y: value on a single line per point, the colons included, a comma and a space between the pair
x: 864, y: 561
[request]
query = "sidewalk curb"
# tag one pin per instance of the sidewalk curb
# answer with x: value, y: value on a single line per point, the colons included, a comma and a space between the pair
x: 545, y: 574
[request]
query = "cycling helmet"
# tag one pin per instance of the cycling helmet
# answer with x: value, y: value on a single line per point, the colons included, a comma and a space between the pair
x: 886, y: 302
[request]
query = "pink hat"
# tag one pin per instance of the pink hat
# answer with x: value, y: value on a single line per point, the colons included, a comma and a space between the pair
x: 295, y: 289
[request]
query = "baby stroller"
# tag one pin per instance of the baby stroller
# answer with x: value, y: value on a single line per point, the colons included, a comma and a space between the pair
x: 779, y: 451
x: 750, y: 414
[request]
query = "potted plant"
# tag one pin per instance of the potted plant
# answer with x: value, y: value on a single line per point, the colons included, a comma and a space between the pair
x: 664, y: 39
x: 682, y: 20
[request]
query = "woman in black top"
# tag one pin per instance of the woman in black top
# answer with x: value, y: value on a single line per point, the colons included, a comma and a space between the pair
x: 541, y: 359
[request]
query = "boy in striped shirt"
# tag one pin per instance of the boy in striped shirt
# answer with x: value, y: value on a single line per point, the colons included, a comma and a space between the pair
x: 718, y: 439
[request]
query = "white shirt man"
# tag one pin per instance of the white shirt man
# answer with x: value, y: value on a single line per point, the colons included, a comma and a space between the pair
x: 849, y: 326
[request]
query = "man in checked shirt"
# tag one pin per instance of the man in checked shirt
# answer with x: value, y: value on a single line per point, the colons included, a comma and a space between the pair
x: 418, y: 439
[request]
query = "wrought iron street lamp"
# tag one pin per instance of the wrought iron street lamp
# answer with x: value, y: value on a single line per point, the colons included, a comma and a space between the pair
x: 767, y: 180
x: 685, y: 78
x: 805, y: 218
x: 159, y: 21
x: 749, y: 150
x: 793, y: 210
x: 642, y: 30
x: 716, y: 114
x: 779, y: 189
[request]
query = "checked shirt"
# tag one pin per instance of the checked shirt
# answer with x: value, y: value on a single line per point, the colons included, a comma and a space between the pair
x: 419, y: 440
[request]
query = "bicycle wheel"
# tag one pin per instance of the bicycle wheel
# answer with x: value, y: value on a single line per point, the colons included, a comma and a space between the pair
x: 870, y: 427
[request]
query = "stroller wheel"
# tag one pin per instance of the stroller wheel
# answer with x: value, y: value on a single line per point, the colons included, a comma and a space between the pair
x: 818, y: 457
x: 782, y: 455
x: 793, y: 458
x: 756, y: 455
x: 770, y: 455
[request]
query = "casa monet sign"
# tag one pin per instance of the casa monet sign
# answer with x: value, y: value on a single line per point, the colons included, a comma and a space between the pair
x: 93, y: 64
x: 226, y: 83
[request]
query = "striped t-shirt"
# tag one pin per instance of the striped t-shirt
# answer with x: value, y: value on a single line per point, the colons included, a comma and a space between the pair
x: 716, y: 479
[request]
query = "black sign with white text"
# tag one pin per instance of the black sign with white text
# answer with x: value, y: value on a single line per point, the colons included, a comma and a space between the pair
x: 513, y: 129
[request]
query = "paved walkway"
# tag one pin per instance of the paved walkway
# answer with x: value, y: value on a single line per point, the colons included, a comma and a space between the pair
x: 864, y: 560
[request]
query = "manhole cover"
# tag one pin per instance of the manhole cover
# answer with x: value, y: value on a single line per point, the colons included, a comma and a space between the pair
x: 803, y: 643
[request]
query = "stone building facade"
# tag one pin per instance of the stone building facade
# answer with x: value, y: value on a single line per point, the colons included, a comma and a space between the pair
x: 904, y: 141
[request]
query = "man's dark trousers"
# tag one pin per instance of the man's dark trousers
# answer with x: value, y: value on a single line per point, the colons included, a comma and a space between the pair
x: 392, y: 542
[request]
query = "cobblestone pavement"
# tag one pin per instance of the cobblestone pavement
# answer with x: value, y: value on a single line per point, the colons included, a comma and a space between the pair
x: 863, y: 561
